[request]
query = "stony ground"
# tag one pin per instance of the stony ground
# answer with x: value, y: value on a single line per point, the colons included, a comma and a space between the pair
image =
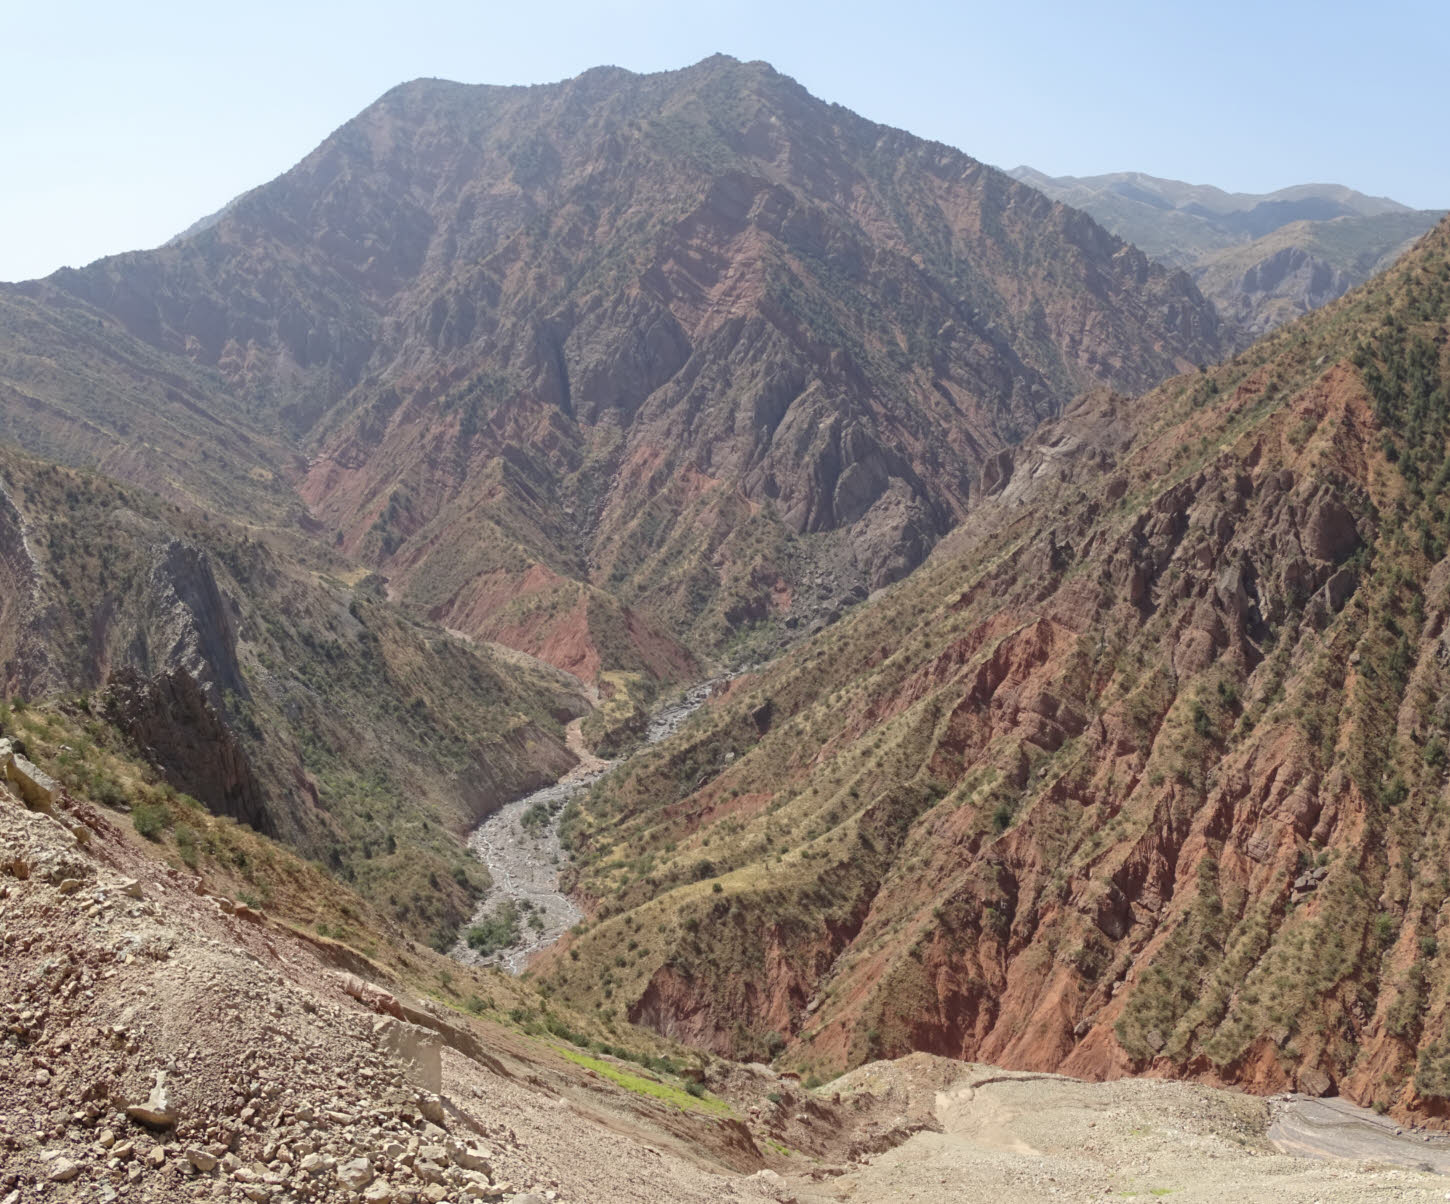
x: 158, y: 1042
x: 1006, y: 1137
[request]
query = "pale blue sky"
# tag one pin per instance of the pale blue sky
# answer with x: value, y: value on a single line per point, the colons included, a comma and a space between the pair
x: 126, y: 122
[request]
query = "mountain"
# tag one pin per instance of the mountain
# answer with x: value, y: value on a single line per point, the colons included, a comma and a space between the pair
x: 1262, y: 259
x: 1143, y: 772
x: 609, y: 369
x: 1303, y: 265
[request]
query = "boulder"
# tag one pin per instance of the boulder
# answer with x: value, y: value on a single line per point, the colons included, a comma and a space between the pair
x: 431, y: 1106
x: 374, y: 998
x: 200, y: 1159
x: 469, y: 1158
x: 63, y: 1170
x: 39, y: 790
x: 315, y: 1164
x: 429, y: 1172
x: 355, y: 1173
x: 156, y: 1111
x: 419, y: 1049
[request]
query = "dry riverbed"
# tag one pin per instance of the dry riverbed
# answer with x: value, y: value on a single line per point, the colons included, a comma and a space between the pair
x: 519, y: 843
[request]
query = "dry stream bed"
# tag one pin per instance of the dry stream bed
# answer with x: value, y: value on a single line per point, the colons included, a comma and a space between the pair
x: 519, y: 843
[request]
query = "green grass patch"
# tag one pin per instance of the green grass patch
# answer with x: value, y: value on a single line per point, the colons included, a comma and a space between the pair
x: 667, y: 1093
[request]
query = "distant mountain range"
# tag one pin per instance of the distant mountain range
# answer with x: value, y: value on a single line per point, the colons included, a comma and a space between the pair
x: 1262, y: 259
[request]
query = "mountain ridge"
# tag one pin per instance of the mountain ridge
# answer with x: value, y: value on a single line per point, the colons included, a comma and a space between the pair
x: 661, y: 340
x: 1262, y: 258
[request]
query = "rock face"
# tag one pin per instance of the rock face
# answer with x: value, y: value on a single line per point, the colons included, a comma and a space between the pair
x: 191, y: 624
x: 1140, y: 773
x: 592, y: 368
x: 1303, y: 265
x: 170, y: 720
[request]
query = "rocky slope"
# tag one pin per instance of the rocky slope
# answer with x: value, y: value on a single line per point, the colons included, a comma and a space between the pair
x: 163, y: 1040
x: 1261, y: 259
x: 599, y: 368
x: 274, y: 685
x: 1144, y: 773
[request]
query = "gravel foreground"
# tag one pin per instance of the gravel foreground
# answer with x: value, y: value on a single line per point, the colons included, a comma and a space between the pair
x: 158, y: 1042
x: 1008, y: 1137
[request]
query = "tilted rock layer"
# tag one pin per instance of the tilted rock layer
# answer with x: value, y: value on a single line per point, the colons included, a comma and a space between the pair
x: 1144, y: 772
x: 578, y: 365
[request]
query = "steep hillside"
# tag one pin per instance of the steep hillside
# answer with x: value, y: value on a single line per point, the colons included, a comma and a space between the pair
x: 165, y: 1039
x: 1303, y: 265
x: 1261, y: 259
x: 607, y: 367
x: 77, y: 389
x: 1145, y: 772
x: 281, y: 691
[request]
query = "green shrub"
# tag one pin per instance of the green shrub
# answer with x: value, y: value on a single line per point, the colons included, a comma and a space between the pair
x: 496, y: 931
x: 186, y: 845
x: 150, y: 819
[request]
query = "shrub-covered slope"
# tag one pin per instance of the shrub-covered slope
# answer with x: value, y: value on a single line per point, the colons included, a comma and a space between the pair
x: 1145, y: 771
x: 279, y: 689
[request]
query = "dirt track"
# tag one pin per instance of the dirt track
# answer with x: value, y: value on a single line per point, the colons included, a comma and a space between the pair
x: 1335, y: 1128
x: 1007, y: 1137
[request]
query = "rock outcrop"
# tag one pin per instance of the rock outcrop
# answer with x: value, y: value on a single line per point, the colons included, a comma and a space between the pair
x: 172, y: 724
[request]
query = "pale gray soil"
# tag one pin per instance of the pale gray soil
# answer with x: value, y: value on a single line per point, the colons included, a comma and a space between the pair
x: 1007, y: 1137
x: 1335, y: 1128
x: 524, y: 859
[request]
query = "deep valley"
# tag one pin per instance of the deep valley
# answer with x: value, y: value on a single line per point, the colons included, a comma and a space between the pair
x: 652, y: 638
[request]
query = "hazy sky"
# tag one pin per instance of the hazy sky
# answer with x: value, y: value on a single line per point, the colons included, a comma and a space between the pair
x: 125, y: 122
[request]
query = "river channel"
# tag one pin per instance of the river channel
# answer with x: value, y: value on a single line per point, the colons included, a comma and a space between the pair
x: 519, y: 843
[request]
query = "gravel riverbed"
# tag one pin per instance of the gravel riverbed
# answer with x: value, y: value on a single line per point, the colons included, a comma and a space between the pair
x: 519, y: 843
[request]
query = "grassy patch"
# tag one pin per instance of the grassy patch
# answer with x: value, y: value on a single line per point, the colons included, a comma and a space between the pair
x: 677, y: 1097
